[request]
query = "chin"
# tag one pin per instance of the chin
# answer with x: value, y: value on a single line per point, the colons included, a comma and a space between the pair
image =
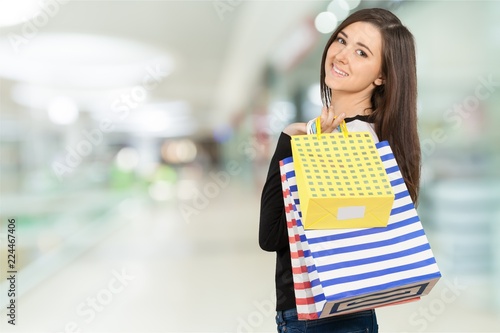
x: 330, y: 84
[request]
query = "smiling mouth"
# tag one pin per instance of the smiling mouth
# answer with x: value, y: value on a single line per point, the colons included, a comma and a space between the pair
x: 338, y: 71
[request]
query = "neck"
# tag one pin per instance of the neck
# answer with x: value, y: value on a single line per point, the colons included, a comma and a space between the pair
x: 351, y: 105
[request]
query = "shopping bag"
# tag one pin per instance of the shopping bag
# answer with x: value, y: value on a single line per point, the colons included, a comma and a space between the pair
x: 309, y: 301
x: 339, y: 271
x: 341, y: 181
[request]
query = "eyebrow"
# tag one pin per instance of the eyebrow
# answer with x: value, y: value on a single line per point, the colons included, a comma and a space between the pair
x: 360, y: 44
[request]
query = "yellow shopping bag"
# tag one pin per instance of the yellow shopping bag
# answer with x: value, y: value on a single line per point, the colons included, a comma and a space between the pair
x: 341, y: 181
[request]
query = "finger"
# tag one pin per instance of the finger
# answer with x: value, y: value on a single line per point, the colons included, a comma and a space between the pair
x: 331, y: 115
x: 338, y: 120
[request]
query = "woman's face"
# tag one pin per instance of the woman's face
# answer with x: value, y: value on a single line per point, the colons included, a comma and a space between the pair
x: 354, y: 60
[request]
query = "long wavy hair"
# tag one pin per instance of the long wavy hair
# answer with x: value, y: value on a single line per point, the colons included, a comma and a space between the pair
x: 394, y: 103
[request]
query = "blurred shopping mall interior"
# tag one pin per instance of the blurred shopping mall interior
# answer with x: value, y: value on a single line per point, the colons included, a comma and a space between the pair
x: 136, y: 137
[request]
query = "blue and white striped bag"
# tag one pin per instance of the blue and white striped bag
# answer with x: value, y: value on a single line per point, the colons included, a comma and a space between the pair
x: 350, y: 270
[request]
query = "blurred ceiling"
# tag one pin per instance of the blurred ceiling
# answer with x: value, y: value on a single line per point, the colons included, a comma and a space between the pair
x: 210, y: 54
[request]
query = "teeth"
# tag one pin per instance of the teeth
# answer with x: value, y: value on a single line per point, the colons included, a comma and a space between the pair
x: 338, y: 71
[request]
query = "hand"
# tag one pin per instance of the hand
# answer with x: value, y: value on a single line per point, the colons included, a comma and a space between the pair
x: 296, y: 129
x: 328, y: 120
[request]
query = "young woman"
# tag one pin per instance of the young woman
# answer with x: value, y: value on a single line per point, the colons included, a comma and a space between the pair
x: 368, y: 79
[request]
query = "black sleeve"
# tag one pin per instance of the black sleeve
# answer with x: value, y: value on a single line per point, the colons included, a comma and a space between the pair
x: 273, y: 235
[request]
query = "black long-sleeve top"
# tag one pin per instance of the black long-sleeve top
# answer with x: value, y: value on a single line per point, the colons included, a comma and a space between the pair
x: 273, y: 234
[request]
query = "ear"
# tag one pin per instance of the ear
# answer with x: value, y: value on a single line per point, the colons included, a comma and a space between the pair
x: 379, y: 81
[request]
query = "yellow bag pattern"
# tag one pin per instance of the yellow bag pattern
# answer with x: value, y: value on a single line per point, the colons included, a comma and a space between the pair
x: 341, y: 181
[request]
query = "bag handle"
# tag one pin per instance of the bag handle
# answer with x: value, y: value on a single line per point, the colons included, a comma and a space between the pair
x: 342, y: 127
x: 318, y: 127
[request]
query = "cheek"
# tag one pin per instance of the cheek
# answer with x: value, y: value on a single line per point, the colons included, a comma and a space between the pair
x: 372, y: 70
x: 378, y: 72
x: 332, y: 50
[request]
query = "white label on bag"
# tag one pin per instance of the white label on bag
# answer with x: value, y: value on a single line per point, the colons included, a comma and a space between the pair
x: 352, y: 212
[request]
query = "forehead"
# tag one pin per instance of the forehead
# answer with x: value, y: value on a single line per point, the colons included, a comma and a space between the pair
x: 365, y: 33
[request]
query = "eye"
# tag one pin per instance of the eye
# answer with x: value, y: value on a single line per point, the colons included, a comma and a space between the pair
x: 340, y: 40
x: 362, y: 53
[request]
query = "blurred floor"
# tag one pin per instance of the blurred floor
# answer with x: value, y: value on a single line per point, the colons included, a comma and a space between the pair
x: 152, y: 271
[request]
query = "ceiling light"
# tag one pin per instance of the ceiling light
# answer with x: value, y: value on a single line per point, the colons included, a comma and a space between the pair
x: 340, y: 8
x: 325, y: 22
x: 127, y: 159
x: 84, y: 61
x: 13, y: 12
x: 352, y: 3
x: 63, y: 110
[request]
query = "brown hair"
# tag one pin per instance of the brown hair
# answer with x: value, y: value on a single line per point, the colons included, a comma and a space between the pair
x: 394, y: 103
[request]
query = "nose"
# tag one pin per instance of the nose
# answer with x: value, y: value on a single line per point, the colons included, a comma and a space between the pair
x: 341, y: 56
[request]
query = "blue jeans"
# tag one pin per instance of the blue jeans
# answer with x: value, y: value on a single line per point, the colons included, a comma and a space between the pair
x: 364, y: 321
